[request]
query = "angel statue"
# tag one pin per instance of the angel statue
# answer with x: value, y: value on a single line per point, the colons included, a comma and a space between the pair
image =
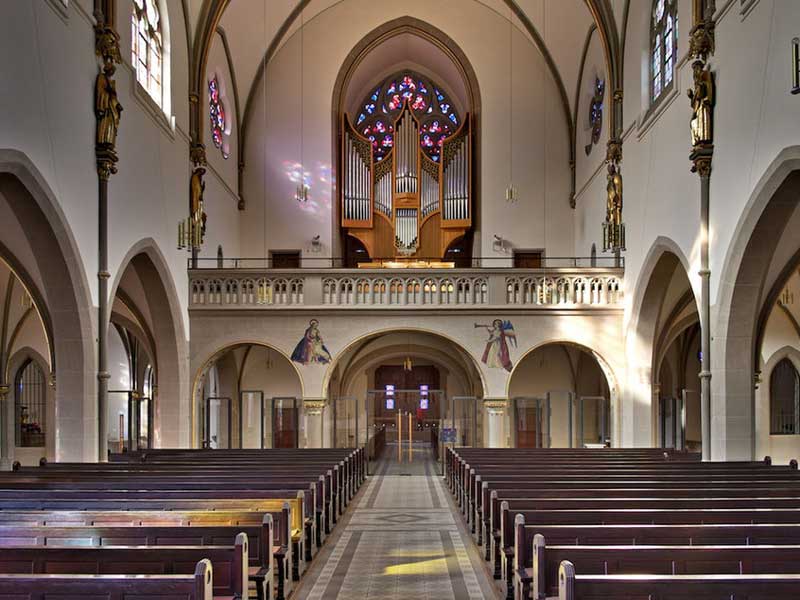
x: 496, y: 354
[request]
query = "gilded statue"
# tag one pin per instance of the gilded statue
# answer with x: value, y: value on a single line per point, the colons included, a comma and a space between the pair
x: 108, y: 110
x: 196, y: 188
x: 702, y: 99
x: 614, y: 200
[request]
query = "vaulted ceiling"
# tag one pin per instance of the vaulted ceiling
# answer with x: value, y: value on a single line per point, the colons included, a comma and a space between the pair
x: 256, y: 29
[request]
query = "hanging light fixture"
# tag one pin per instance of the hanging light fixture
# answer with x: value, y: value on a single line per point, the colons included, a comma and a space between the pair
x: 301, y: 191
x: 511, y: 192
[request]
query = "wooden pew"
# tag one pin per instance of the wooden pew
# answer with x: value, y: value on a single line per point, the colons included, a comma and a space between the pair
x: 229, y: 563
x: 198, y: 586
x: 541, y: 579
x: 668, y: 587
x: 263, y: 549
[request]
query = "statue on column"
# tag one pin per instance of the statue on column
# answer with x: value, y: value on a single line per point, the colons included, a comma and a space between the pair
x: 614, y: 196
x: 702, y: 99
x: 108, y: 111
x: 198, y: 215
x: 107, y: 107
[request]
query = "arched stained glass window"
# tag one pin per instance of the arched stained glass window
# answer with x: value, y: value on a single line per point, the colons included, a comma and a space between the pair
x: 663, y: 46
x: 147, y: 47
x: 784, y: 399
x: 217, y: 115
x: 430, y: 104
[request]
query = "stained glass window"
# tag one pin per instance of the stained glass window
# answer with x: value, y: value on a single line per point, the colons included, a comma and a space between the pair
x: 147, y: 47
x: 216, y: 112
x: 663, y: 46
x: 431, y: 106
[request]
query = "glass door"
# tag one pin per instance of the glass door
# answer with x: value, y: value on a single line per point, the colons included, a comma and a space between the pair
x: 672, y: 423
x: 139, y: 418
x: 252, y: 421
x: 593, y: 422
x: 284, y: 431
x: 218, y: 431
x: 531, y: 417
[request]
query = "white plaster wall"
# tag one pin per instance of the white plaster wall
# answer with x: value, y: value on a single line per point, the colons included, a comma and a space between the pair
x: 273, y: 220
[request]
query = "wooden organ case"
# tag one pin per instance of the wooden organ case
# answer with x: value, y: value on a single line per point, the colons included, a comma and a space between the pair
x: 403, y: 204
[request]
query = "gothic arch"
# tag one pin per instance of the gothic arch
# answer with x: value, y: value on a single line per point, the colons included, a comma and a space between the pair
x: 48, y: 253
x: 167, y: 333
x: 739, y: 299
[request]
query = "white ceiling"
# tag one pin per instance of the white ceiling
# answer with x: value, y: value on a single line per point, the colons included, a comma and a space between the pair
x: 251, y: 26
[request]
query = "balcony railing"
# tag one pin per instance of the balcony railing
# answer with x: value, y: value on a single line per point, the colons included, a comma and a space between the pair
x: 488, y: 287
x: 485, y: 262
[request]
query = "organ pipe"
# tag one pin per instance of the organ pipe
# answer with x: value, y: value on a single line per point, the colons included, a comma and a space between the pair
x: 406, y: 187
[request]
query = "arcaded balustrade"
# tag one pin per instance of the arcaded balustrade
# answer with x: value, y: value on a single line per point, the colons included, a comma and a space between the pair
x: 430, y: 288
x: 547, y: 290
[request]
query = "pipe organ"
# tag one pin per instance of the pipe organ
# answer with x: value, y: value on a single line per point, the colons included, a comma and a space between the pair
x: 399, y: 200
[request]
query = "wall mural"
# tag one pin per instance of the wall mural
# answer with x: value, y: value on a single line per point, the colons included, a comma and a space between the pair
x: 496, y: 355
x: 311, y: 349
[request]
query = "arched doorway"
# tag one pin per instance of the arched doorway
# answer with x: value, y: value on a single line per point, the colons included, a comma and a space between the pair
x: 147, y: 356
x: 663, y: 346
x: 560, y: 397
x: 416, y: 389
x: 249, y: 395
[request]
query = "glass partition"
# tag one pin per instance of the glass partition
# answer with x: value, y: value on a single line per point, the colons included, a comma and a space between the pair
x: 218, y: 432
x: 593, y: 419
x: 465, y: 418
x: 118, y: 411
x: 349, y: 421
x: 252, y: 422
x: 672, y: 423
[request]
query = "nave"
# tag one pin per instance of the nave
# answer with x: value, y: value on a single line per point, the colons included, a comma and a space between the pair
x: 402, y: 540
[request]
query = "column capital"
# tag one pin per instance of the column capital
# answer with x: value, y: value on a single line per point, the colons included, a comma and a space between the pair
x: 314, y: 406
x: 495, y: 406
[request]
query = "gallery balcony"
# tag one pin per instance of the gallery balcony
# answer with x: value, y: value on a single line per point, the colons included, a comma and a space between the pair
x: 568, y: 284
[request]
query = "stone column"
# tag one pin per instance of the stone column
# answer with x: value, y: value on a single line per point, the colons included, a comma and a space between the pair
x: 5, y: 429
x: 313, y: 413
x: 495, y: 422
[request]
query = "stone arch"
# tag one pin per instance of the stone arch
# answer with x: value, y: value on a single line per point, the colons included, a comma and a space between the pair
x: 760, y: 230
x: 470, y: 360
x: 153, y: 298
x: 219, y: 353
x: 42, y: 248
x: 649, y: 330
x: 608, y: 373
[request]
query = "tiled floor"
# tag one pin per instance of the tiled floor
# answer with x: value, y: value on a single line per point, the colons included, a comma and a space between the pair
x: 403, y: 540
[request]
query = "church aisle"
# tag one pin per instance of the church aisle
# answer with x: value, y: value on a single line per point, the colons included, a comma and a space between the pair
x: 402, y: 539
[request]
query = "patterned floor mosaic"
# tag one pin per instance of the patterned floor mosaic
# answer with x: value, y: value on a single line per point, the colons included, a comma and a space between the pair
x: 402, y: 540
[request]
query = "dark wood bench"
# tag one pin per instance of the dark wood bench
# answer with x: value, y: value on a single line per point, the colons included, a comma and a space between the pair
x: 266, y: 555
x: 229, y: 563
x: 670, y: 587
x: 198, y: 586
x: 541, y: 577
